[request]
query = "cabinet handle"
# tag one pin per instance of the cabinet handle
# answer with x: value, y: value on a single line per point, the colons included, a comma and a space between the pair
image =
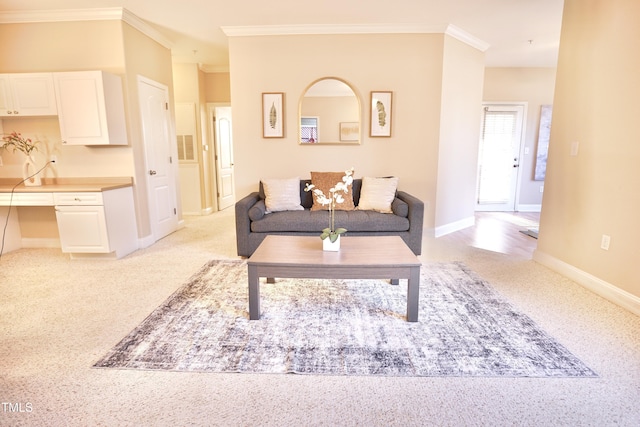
x: 77, y: 199
x: 152, y: 172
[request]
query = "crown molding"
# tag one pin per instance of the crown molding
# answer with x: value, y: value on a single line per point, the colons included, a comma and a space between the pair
x: 467, y: 38
x: 321, y: 29
x: 98, y: 14
x: 280, y: 30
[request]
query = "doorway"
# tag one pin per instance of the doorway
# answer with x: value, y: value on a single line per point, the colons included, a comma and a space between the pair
x: 158, y: 144
x: 499, y: 157
x: 220, y: 129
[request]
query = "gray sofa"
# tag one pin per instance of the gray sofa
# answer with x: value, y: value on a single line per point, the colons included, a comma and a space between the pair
x: 253, y: 224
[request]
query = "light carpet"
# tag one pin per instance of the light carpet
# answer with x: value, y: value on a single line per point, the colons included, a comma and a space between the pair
x: 343, y: 327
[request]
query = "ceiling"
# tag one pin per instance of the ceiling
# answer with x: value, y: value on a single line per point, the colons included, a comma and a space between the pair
x: 518, y: 33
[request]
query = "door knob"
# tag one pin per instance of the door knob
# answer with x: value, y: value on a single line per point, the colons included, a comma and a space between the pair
x: 152, y: 172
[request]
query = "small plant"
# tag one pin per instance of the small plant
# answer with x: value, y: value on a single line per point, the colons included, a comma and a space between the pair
x: 336, y: 196
x: 15, y: 141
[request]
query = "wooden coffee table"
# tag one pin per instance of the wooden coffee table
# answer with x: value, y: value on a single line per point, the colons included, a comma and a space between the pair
x: 379, y: 257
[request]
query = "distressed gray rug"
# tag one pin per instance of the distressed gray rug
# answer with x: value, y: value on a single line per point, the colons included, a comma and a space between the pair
x: 343, y: 327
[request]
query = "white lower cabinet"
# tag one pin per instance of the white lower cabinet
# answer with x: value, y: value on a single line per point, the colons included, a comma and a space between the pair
x: 97, y: 222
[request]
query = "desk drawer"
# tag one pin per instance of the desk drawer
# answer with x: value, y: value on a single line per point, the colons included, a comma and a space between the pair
x: 26, y: 199
x: 78, y: 199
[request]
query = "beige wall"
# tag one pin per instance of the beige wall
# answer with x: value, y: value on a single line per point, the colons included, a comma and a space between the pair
x: 595, y: 192
x: 535, y: 86
x: 217, y: 87
x: 463, y: 69
x: 147, y: 58
x: 410, y: 65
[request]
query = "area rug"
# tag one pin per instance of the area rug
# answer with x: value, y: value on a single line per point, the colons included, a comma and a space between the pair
x: 343, y: 327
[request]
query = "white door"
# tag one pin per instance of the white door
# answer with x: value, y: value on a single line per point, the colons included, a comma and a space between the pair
x: 499, y: 157
x: 224, y: 157
x: 154, y: 108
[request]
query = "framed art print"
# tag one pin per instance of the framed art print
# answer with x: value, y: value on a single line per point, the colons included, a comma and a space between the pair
x: 381, y: 114
x: 349, y: 131
x: 273, y: 115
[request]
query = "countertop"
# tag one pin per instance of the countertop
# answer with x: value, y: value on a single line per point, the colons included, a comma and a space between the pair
x: 51, y: 185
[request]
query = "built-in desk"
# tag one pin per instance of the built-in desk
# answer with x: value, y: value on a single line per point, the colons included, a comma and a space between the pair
x: 94, y: 215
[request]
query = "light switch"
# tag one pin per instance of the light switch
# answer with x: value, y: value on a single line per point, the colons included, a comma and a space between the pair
x: 574, y: 148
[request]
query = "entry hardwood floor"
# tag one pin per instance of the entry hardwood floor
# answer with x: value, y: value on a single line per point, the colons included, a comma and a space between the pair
x: 499, y: 232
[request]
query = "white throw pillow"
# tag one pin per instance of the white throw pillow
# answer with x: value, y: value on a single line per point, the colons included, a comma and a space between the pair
x: 377, y: 194
x: 282, y: 194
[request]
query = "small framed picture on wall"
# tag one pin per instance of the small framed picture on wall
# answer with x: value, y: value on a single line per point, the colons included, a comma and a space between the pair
x: 381, y: 114
x: 273, y: 115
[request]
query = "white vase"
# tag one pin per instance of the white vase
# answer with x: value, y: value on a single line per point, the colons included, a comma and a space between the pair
x: 29, y: 168
x: 328, y: 245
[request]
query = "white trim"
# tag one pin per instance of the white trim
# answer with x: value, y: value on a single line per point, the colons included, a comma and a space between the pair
x: 98, y: 14
x: 306, y: 29
x: 146, y: 241
x: 605, y: 289
x: 463, y: 36
x: 529, y: 208
x: 452, y: 227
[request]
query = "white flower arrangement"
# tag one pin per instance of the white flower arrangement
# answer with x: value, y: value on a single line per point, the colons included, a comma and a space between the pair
x: 336, y: 195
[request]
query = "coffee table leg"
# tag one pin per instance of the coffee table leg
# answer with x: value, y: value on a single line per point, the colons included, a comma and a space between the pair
x: 413, y: 294
x: 254, y: 293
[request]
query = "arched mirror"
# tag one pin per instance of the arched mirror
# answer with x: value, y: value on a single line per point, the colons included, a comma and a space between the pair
x: 329, y: 113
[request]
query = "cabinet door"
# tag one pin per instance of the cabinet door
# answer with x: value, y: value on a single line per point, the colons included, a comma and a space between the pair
x: 90, y: 108
x: 6, y: 102
x: 33, y: 94
x: 83, y: 229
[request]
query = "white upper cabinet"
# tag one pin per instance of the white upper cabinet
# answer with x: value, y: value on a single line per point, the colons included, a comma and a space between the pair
x: 90, y: 108
x: 27, y: 94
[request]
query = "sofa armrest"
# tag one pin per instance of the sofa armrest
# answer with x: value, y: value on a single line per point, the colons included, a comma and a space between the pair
x: 416, y: 220
x: 243, y: 222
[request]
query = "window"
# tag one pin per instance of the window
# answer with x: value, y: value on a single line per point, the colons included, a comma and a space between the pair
x: 309, y: 129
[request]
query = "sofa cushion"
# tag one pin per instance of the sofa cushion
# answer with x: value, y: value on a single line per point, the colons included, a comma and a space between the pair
x: 324, y: 181
x: 316, y: 221
x: 400, y: 208
x: 377, y: 194
x: 258, y: 210
x: 282, y: 194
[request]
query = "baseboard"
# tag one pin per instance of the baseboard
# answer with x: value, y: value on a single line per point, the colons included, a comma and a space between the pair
x: 529, y: 208
x: 452, y: 227
x: 605, y: 289
x: 145, y: 242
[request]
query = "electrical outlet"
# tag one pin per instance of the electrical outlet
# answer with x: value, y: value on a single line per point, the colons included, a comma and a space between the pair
x: 542, y: 188
x: 606, y: 240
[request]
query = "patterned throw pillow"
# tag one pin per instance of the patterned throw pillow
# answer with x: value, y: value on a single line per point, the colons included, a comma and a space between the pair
x: 282, y: 194
x: 325, y: 181
x: 377, y: 194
